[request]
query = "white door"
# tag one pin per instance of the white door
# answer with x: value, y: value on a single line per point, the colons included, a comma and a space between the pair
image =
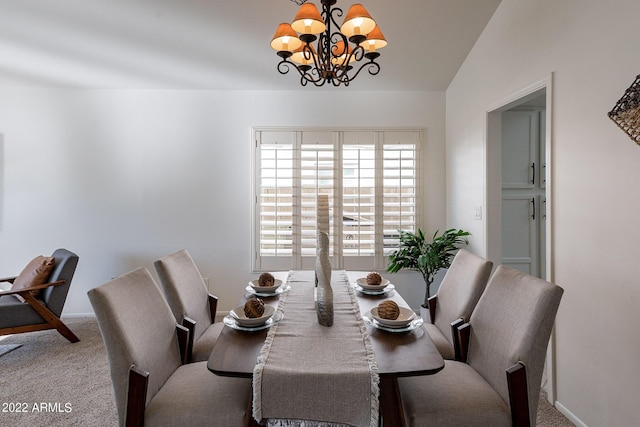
x: 519, y: 243
x: 523, y: 193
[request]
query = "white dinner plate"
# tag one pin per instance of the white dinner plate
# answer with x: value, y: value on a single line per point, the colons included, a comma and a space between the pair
x: 232, y: 323
x: 390, y: 287
x: 265, y: 289
x: 278, y: 291
x: 415, y: 324
x: 402, y: 321
x: 362, y: 282
x: 249, y: 322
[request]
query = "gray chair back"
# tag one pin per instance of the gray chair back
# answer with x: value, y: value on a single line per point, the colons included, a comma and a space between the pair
x: 139, y: 329
x: 65, y: 266
x: 184, y: 289
x: 512, y: 322
x: 460, y: 290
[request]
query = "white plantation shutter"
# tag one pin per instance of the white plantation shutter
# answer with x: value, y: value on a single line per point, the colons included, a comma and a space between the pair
x: 359, y: 183
x: 317, y: 176
x: 400, y: 181
x: 274, y: 182
x: 370, y: 177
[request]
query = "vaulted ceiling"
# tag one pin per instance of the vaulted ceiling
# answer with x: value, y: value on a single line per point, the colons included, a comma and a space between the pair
x: 217, y: 44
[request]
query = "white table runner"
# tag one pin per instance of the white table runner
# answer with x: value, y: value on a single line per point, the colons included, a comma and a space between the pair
x: 311, y: 375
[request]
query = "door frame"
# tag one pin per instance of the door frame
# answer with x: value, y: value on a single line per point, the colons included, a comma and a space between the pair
x: 493, y: 189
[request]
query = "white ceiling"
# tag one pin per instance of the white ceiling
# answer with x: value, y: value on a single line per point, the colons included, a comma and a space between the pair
x: 217, y: 44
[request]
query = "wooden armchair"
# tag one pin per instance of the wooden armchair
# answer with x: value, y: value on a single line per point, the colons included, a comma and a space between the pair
x: 192, y: 305
x: 43, y: 303
x: 503, y: 348
x: 457, y: 296
x: 152, y: 384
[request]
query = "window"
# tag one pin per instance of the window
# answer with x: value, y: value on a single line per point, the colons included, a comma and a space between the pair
x: 369, y: 176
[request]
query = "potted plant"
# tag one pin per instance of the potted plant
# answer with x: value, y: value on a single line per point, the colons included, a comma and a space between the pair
x: 427, y: 257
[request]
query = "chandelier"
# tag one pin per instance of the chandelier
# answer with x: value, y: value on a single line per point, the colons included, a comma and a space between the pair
x: 338, y: 56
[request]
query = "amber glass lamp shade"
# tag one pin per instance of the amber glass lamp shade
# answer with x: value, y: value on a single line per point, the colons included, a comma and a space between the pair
x: 375, y: 40
x: 299, y: 56
x: 357, y: 22
x: 308, y: 20
x: 340, y: 51
x: 285, y: 39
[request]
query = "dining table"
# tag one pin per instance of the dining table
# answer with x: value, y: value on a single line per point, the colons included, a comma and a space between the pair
x: 397, y: 354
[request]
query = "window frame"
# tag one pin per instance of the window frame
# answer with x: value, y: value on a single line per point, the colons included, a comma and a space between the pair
x: 295, y: 136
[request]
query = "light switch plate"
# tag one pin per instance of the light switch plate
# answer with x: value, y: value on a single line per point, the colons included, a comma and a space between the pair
x: 478, y: 212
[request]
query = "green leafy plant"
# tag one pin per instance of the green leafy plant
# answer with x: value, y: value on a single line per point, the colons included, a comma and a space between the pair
x: 427, y: 257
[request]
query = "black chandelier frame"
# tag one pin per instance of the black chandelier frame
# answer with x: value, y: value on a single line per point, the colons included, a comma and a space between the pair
x: 329, y: 64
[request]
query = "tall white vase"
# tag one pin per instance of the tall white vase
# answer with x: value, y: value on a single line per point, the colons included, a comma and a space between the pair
x: 324, y: 305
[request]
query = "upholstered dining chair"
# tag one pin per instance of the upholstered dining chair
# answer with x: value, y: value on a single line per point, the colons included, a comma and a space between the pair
x: 456, y: 298
x: 151, y: 384
x: 190, y: 301
x: 37, y: 295
x: 504, y: 345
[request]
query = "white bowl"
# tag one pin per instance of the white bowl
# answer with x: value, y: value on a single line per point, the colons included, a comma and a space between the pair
x: 363, y: 284
x: 404, y: 318
x: 242, y: 320
x: 265, y: 289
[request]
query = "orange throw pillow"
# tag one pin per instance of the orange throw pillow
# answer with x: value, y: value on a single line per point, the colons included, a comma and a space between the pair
x: 35, y: 273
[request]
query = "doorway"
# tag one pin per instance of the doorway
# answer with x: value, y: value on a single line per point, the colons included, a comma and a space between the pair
x: 524, y: 187
x: 520, y: 231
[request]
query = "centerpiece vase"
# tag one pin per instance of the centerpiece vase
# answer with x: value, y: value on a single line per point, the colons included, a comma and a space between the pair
x: 324, y: 304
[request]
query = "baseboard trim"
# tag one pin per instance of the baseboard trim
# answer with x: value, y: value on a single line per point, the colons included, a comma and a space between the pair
x: 77, y: 315
x: 567, y: 413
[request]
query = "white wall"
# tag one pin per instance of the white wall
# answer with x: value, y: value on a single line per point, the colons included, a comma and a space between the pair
x: 591, y: 49
x: 124, y: 177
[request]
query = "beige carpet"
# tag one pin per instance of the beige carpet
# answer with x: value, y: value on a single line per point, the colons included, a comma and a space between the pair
x: 57, y: 383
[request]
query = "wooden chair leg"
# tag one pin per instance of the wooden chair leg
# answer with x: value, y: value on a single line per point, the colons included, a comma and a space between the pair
x: 190, y: 324
x: 136, y: 397
x: 518, y: 395
x: 433, y: 302
x: 50, y: 318
x: 183, y: 335
x: 464, y: 333
x: 213, y: 306
x: 457, y: 348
